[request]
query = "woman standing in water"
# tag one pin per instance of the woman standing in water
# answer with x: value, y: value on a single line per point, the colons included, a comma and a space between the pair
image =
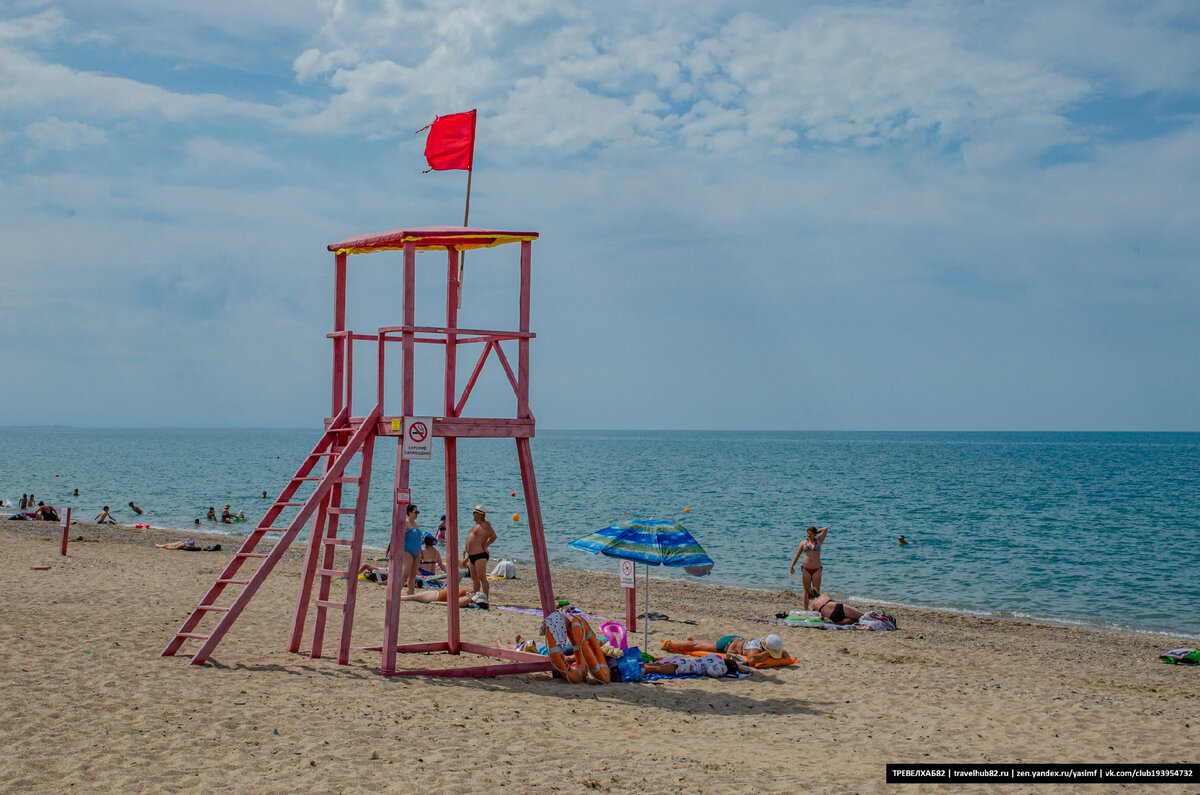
x: 810, y: 549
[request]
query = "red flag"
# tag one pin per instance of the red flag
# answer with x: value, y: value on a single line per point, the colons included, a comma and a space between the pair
x: 451, y: 142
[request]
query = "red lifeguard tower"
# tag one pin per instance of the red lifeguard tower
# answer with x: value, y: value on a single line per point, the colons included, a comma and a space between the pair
x: 349, y: 437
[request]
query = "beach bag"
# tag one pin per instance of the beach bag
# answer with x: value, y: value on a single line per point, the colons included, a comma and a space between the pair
x: 505, y: 570
x: 1181, y: 657
x: 631, y: 665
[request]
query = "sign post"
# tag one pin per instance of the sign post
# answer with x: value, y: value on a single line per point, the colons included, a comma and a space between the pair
x: 629, y: 583
x: 66, y: 530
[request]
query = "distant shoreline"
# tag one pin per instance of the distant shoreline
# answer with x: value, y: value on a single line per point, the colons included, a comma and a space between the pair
x: 125, y: 533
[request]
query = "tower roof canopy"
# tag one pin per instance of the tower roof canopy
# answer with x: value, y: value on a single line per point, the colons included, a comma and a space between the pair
x: 430, y: 237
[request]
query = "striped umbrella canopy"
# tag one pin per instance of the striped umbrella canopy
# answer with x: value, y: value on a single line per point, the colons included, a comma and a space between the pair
x: 649, y: 541
x: 652, y: 542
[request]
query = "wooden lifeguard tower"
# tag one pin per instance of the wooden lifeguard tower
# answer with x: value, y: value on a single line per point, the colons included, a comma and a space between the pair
x: 348, y: 438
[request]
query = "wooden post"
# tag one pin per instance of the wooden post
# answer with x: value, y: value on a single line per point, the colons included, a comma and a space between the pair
x: 450, y: 444
x: 66, y: 531
x: 631, y: 608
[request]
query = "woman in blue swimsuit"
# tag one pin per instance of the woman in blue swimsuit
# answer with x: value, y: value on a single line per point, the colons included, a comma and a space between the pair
x: 412, y: 548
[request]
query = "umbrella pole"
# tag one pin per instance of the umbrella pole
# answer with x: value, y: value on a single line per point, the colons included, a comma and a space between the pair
x: 646, y: 617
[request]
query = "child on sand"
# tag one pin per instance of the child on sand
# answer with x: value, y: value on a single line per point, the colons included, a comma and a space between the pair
x: 714, y: 665
x: 104, y: 517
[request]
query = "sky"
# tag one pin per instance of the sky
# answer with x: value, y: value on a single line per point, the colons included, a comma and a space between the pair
x: 774, y: 216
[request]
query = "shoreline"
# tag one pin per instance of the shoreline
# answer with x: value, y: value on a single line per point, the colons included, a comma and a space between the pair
x: 124, y: 533
x: 81, y: 638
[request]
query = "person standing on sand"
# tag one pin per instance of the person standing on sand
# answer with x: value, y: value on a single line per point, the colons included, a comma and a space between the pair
x: 139, y: 511
x: 810, y: 548
x: 412, y: 547
x: 479, y: 538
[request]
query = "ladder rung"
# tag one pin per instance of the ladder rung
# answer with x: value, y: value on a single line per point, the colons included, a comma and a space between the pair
x: 334, y: 605
x: 348, y: 480
x: 252, y: 554
x: 341, y: 511
x: 333, y: 573
x: 234, y: 582
x: 213, y: 607
x: 338, y: 542
x: 287, y: 504
x: 338, y: 430
x: 312, y: 477
x: 195, y: 635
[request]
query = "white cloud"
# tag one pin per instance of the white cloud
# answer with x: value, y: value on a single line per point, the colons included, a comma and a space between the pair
x: 208, y: 153
x: 56, y: 134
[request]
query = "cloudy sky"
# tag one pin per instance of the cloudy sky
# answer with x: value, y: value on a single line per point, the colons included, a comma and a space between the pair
x: 805, y: 215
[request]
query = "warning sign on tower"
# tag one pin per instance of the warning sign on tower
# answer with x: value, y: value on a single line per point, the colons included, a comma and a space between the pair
x: 417, y: 442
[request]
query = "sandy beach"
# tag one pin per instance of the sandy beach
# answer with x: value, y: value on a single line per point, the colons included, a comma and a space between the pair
x: 89, y: 703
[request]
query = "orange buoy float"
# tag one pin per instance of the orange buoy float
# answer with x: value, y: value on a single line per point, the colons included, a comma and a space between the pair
x: 516, y: 517
x: 554, y: 627
x: 587, y: 649
x: 687, y: 510
x: 512, y: 494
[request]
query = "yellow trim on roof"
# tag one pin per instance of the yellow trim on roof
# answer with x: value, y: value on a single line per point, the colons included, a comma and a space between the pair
x: 484, y: 241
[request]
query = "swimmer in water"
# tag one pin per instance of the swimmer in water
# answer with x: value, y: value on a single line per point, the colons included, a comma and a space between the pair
x: 902, y: 542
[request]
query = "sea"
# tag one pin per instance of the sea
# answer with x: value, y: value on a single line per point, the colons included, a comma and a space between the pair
x: 1088, y: 529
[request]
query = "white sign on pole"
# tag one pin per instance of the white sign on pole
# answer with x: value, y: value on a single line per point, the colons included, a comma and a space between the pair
x: 417, y: 442
x: 628, y: 580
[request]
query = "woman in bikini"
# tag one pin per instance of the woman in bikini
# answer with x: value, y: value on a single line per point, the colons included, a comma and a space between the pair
x: 753, y: 650
x: 810, y: 548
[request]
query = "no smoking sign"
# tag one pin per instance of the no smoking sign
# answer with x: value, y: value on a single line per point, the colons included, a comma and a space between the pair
x: 628, y: 580
x: 417, y: 442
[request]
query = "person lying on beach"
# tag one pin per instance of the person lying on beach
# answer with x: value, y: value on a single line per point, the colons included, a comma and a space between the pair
x: 373, y: 572
x: 754, y: 650
x: 104, y: 517
x: 835, y: 612
x: 810, y: 548
x: 430, y: 560
x: 442, y: 595
x: 188, y: 545
x: 714, y: 665
x: 136, y: 509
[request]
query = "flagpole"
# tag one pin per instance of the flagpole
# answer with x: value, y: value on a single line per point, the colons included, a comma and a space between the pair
x: 462, y: 256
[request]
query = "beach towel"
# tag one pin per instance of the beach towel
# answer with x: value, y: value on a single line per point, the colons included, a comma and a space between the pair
x: 655, y: 677
x: 871, y: 620
x: 1181, y: 656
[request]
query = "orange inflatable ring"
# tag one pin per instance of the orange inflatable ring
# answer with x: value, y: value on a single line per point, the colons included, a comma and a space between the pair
x: 554, y: 627
x: 587, y: 649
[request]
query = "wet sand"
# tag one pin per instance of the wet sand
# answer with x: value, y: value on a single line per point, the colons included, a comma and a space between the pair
x: 89, y: 703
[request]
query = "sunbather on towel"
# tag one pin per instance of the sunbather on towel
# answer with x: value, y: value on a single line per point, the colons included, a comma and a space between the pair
x: 755, y: 650
x: 442, y: 595
x: 834, y: 612
x: 189, y: 545
x: 714, y: 665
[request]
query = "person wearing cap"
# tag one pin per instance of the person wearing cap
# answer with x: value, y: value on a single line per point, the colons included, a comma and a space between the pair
x: 754, y: 650
x: 430, y: 560
x: 226, y: 515
x: 475, y: 551
x: 902, y: 542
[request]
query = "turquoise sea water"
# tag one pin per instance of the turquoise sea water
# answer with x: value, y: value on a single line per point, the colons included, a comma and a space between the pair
x: 1095, y: 528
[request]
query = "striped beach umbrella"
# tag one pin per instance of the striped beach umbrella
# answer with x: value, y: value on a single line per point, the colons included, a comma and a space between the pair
x: 652, y: 542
